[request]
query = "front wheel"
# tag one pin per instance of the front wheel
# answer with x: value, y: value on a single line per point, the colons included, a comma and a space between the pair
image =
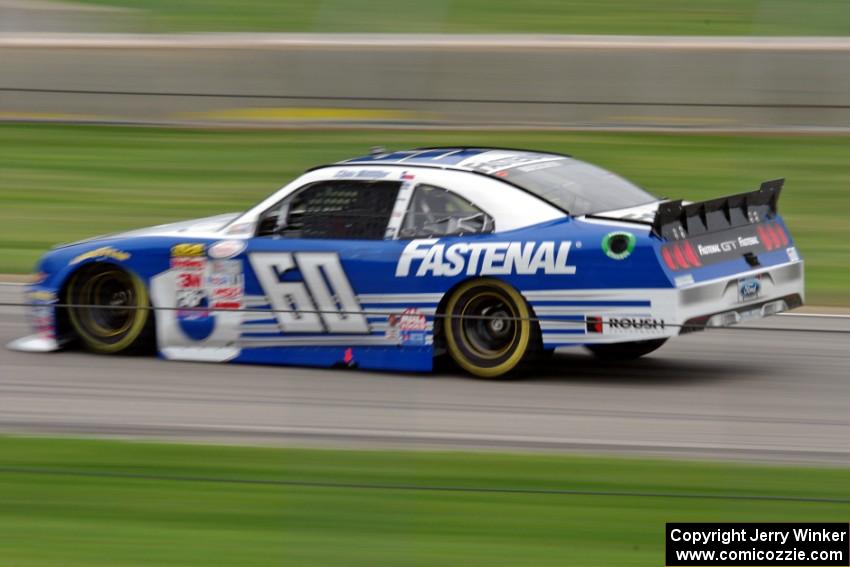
x: 625, y: 351
x: 109, y: 309
x: 488, y: 330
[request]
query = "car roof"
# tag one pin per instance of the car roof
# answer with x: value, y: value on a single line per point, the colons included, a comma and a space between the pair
x: 478, y: 159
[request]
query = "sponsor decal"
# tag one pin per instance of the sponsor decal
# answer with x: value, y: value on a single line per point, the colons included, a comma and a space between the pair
x: 190, y: 279
x: 594, y: 324
x: 687, y: 279
x: 618, y: 245
x: 41, y: 314
x: 226, y: 284
x: 43, y: 296
x: 635, y: 323
x: 188, y: 263
x: 227, y: 293
x: 408, y: 328
x: 192, y: 249
x: 43, y: 320
x: 226, y: 249
x: 393, y: 333
x: 749, y: 288
x: 102, y: 253
x: 193, y: 315
x: 426, y: 257
x: 728, y: 245
x: 792, y: 254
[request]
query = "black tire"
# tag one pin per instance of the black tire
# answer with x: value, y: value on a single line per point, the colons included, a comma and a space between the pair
x: 625, y: 351
x: 110, y: 310
x: 488, y: 348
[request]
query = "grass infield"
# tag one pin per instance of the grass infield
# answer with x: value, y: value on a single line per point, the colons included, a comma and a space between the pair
x: 648, y: 17
x: 62, y: 183
x: 105, y: 503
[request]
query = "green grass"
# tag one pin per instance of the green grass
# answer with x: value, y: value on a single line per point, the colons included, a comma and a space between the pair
x: 62, y: 183
x: 647, y: 17
x: 87, y: 514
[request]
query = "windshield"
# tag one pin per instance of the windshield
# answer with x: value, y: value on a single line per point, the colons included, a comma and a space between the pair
x: 577, y: 187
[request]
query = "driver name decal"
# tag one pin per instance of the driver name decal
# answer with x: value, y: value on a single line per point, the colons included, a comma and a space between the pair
x: 425, y: 257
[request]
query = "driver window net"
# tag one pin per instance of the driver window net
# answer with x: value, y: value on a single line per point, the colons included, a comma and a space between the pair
x: 341, y: 209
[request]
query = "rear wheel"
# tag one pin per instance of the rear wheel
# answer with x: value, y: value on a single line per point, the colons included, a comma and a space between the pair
x: 626, y: 351
x: 487, y: 331
x: 109, y: 309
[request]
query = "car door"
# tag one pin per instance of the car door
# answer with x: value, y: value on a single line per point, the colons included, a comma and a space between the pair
x: 314, y: 254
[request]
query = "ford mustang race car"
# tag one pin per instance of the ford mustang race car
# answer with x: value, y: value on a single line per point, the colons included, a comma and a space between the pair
x: 491, y: 256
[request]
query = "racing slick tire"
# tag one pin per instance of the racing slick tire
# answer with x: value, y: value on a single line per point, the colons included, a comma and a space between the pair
x: 488, y: 331
x: 625, y: 351
x: 109, y: 310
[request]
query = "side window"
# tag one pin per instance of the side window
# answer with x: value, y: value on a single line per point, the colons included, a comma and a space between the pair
x: 435, y: 211
x: 343, y: 209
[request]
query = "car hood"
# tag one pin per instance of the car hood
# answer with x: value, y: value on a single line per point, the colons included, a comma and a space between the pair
x: 196, y: 227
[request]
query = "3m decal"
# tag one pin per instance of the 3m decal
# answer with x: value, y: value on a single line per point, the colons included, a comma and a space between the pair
x: 322, y: 300
x: 190, y: 280
x: 426, y: 257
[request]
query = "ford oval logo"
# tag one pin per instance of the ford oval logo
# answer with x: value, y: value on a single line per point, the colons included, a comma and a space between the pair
x: 749, y: 288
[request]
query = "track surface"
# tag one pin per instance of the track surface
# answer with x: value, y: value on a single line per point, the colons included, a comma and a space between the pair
x: 721, y: 394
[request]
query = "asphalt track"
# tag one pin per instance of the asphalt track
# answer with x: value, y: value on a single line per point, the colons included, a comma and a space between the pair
x: 728, y: 394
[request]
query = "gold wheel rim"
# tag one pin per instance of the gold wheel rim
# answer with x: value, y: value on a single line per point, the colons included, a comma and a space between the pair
x: 92, y: 333
x: 472, y: 344
x: 523, y: 328
x: 92, y: 294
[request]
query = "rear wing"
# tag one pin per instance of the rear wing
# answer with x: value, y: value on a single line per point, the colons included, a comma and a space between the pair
x: 677, y: 221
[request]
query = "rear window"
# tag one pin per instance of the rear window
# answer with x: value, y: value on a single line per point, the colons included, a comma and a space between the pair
x: 575, y: 186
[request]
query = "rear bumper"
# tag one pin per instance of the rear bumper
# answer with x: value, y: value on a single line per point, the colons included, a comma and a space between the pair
x: 719, y: 303
x: 627, y: 315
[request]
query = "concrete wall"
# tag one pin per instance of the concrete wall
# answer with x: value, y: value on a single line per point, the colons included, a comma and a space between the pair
x: 419, y: 80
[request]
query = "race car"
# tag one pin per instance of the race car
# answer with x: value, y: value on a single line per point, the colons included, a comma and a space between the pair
x: 490, y: 256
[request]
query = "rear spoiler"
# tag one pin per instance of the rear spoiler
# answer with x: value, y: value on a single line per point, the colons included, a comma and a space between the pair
x: 677, y: 221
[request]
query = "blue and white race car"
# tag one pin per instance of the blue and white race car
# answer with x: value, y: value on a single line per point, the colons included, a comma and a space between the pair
x: 386, y: 261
